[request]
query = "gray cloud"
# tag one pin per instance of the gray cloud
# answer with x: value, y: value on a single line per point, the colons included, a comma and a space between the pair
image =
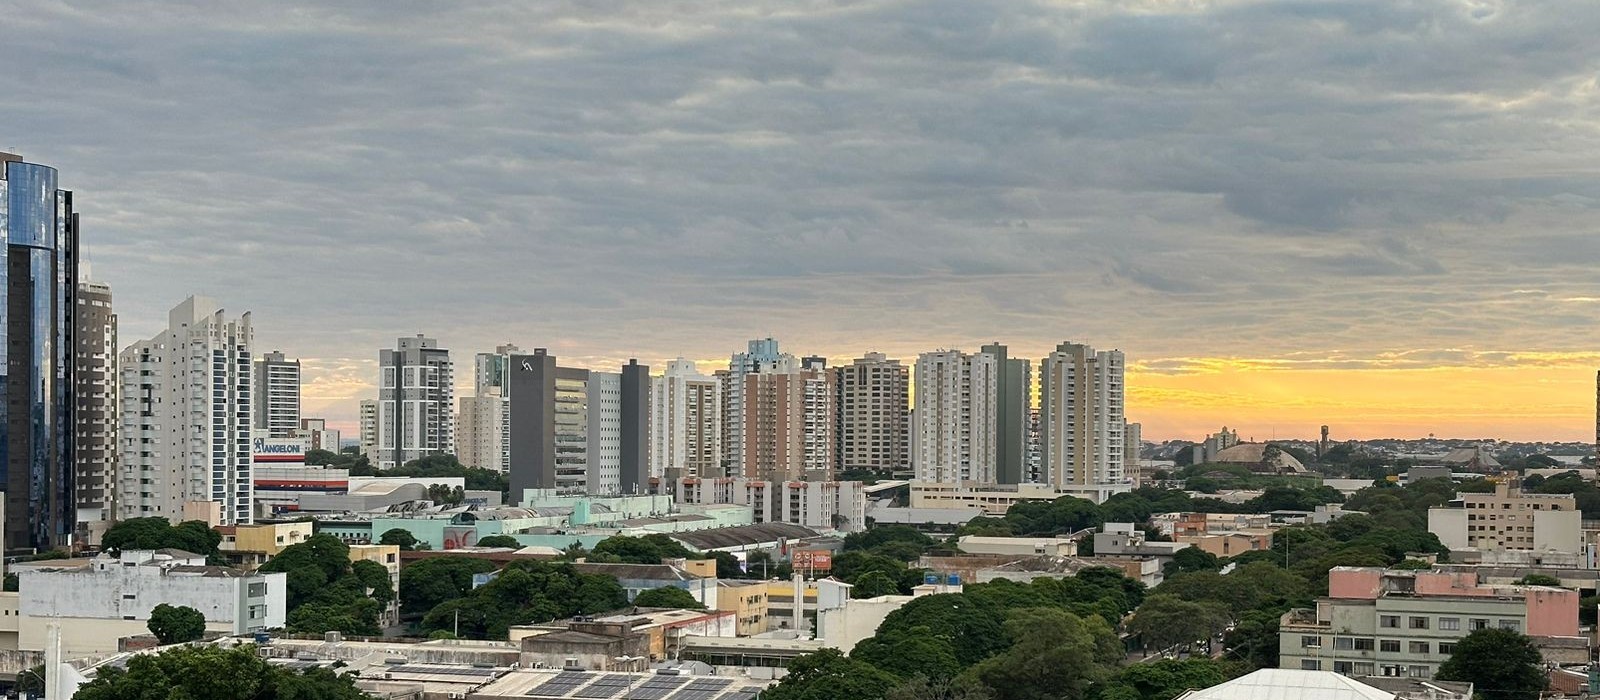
x: 652, y: 179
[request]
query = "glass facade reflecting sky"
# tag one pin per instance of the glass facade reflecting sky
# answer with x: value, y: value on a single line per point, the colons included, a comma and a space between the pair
x: 39, y: 281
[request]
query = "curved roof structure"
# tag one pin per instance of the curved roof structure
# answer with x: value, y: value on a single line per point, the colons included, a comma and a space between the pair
x: 1290, y: 684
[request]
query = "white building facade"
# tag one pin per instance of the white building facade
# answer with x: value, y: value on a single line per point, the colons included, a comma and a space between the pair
x: 186, y: 416
x: 819, y: 505
x: 114, y: 596
x: 954, y: 417
x: 685, y: 423
x: 1081, y: 416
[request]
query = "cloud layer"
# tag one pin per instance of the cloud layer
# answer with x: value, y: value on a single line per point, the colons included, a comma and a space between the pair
x: 1333, y: 181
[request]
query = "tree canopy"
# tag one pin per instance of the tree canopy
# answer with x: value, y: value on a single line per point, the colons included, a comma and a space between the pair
x: 157, y: 533
x: 426, y: 583
x: 399, y: 537
x: 500, y: 541
x: 1501, y: 665
x: 326, y: 592
x: 667, y: 597
x: 176, y: 624
x: 523, y: 593
x: 214, y: 673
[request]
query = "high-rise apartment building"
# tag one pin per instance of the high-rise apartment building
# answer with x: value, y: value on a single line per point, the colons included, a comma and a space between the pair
x: 368, y: 430
x: 186, y: 417
x: 577, y: 430
x: 481, y: 439
x: 96, y: 418
x: 1132, y: 445
x: 40, y: 231
x: 318, y: 436
x: 956, y: 417
x: 416, y: 402
x: 1081, y: 417
x: 483, y: 430
x: 685, y: 423
x: 760, y: 356
x: 1015, y: 401
x: 873, y: 406
x: 277, y: 395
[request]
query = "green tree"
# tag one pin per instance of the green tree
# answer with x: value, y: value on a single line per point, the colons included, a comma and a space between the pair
x: 1164, y: 679
x: 973, y: 627
x: 326, y: 592
x: 873, y: 584
x: 1501, y: 664
x: 922, y: 688
x: 1054, y: 655
x: 1191, y: 559
x: 399, y: 537
x: 30, y: 682
x: 830, y: 675
x: 500, y: 541
x: 909, y: 653
x: 649, y: 549
x: 1165, y: 621
x: 525, y: 592
x: 427, y: 583
x: 214, y: 673
x: 667, y: 597
x: 175, y: 625
x: 1254, y: 639
x: 157, y: 533
x: 1538, y: 580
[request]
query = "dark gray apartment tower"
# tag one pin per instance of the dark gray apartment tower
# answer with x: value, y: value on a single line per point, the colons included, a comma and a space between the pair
x: 40, y: 232
x: 532, y: 380
x: 97, y: 411
x: 635, y: 473
x: 1011, y: 425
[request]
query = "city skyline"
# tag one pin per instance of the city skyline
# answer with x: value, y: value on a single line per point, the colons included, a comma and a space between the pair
x: 1284, y: 225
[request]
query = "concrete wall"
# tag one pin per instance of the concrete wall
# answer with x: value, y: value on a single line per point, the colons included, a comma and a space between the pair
x: 1354, y: 583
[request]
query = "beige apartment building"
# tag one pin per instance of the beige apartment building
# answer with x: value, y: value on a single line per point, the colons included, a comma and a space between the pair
x: 874, y: 403
x: 1509, y: 519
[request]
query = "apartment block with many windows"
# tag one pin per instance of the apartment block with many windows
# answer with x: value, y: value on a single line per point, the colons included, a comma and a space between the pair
x: 1377, y: 622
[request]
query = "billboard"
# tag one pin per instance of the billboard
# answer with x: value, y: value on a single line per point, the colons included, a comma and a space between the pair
x: 278, y: 452
x: 811, y: 560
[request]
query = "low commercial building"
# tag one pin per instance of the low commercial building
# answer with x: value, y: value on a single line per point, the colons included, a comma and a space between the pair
x: 1123, y: 540
x: 819, y: 505
x: 112, y: 598
x: 747, y: 600
x: 996, y: 499
x: 663, y: 629
x: 619, y: 681
x: 250, y: 546
x: 1229, y: 544
x: 1394, y: 623
x: 1019, y: 546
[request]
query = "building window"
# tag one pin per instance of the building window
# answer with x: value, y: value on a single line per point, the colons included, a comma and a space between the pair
x: 1344, y: 667
x: 1343, y: 643
x: 1447, y: 648
x: 1389, y: 621
x: 1511, y: 625
x: 1311, y: 642
x: 1393, y: 671
x: 1363, y: 645
x: 1450, y: 623
x: 1419, y: 623
x: 1418, y: 672
x: 1310, y: 665
x: 1363, y: 668
x: 1419, y: 647
x: 1389, y: 645
x: 1477, y: 623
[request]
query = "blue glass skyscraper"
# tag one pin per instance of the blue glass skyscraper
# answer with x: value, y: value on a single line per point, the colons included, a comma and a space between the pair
x: 39, y: 284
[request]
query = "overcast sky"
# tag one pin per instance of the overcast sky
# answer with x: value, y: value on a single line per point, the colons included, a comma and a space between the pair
x: 1379, y: 214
